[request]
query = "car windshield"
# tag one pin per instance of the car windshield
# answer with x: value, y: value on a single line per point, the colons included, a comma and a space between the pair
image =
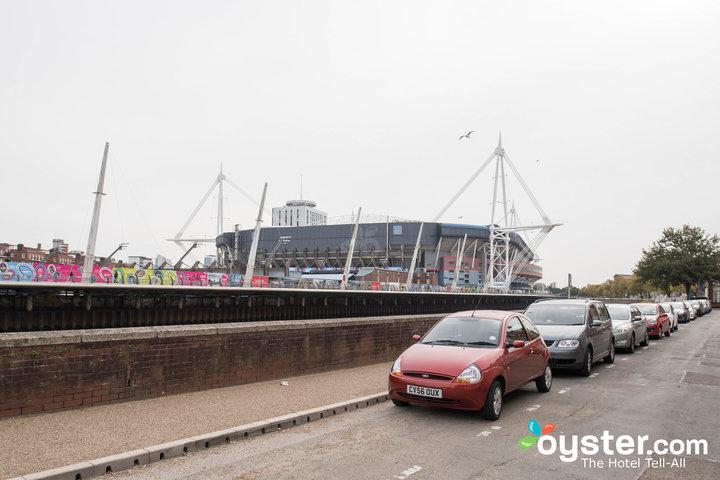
x: 619, y: 312
x: 678, y: 305
x: 465, y: 331
x: 647, y: 309
x: 556, y: 314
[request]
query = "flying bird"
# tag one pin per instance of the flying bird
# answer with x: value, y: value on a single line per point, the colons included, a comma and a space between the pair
x: 467, y: 135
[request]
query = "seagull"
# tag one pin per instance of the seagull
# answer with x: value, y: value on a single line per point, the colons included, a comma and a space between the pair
x: 467, y: 135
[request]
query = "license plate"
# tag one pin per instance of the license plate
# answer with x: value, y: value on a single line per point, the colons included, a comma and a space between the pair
x: 424, y: 391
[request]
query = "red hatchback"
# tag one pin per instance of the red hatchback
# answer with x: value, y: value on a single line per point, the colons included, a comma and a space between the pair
x: 469, y: 360
x: 658, y: 322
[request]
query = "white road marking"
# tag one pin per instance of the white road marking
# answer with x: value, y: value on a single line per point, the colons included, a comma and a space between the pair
x: 594, y: 375
x: 564, y: 390
x: 610, y: 366
x: 495, y: 428
x: 624, y: 359
x: 407, y: 472
x: 484, y: 433
x: 533, y: 408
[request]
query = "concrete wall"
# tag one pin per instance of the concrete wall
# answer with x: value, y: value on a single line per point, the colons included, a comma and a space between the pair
x: 46, y: 371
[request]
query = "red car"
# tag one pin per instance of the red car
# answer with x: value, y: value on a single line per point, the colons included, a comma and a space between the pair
x: 658, y: 322
x: 469, y: 360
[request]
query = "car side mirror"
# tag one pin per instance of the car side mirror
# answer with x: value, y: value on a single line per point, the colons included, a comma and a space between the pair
x: 596, y: 323
x: 637, y: 318
x: 416, y: 337
x: 516, y: 344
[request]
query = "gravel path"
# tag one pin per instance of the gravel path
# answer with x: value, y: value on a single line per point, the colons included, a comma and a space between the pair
x: 39, y: 442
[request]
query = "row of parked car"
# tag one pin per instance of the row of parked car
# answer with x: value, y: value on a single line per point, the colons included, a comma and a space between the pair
x: 470, y: 360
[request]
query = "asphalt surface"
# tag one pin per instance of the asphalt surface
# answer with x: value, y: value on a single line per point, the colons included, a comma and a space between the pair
x: 669, y: 390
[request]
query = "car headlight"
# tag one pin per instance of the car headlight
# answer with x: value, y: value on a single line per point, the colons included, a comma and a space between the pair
x: 622, y: 329
x: 568, y: 344
x: 470, y: 375
x: 395, y: 369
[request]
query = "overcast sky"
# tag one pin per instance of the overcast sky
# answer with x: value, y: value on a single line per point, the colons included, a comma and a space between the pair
x: 610, y: 110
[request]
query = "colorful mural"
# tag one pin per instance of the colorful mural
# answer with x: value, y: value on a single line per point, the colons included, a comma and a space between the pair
x: 198, y: 279
x: 56, y: 272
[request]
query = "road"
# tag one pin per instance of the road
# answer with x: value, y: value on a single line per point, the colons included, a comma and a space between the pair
x: 669, y: 390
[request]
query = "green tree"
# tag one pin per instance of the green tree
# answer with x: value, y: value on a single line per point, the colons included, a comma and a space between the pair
x: 685, y: 256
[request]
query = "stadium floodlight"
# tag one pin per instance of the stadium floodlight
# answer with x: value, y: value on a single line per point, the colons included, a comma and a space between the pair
x: 218, y: 183
x: 502, y: 268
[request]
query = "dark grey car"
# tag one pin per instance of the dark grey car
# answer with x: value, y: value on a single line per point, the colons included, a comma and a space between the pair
x: 577, y: 332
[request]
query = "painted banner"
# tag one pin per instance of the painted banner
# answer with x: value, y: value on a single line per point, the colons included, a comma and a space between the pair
x: 57, y: 272
x: 260, y: 281
x: 217, y: 279
x: 167, y: 277
x: 198, y: 279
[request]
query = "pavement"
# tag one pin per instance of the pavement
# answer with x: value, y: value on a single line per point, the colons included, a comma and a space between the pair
x: 669, y: 390
x: 34, y: 443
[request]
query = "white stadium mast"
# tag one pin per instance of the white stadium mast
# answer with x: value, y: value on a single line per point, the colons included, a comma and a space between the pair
x: 502, y: 266
x: 218, y: 182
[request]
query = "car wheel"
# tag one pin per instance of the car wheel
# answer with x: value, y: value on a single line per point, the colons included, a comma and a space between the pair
x: 400, y: 403
x: 493, y: 402
x: 631, y: 348
x: 544, y: 382
x: 587, y: 364
x: 668, y: 332
x: 610, y: 357
x: 645, y: 342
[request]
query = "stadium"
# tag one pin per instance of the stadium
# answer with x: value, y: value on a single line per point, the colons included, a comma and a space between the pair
x: 295, y: 248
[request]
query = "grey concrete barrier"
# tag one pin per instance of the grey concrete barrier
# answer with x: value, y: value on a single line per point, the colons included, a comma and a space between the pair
x: 78, y: 471
x: 155, y: 453
x: 121, y: 461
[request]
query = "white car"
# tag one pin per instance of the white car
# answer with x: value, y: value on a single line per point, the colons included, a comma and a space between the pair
x: 682, y: 312
x: 672, y: 316
x: 695, y: 305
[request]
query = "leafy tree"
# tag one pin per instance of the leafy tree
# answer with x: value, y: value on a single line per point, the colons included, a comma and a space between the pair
x: 621, y: 286
x: 685, y: 256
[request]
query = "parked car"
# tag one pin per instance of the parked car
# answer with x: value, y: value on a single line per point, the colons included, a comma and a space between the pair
x: 707, y: 306
x: 657, y: 318
x: 629, y: 327
x: 703, y: 307
x: 672, y: 316
x: 469, y: 360
x: 696, y: 306
x: 682, y: 311
x: 577, y: 332
x: 692, y: 312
